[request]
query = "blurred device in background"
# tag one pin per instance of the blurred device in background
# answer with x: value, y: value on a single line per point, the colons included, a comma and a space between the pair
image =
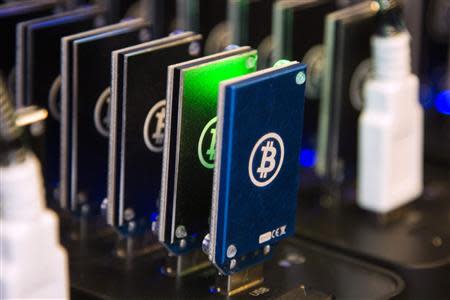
x: 86, y: 79
x: 206, y: 17
x: 138, y: 109
x: 250, y: 23
x: 160, y: 14
x: 297, y: 34
x: 435, y: 85
x: 347, y: 66
x: 38, y: 77
x: 10, y: 15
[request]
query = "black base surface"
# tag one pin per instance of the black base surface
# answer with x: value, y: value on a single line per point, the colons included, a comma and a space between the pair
x: 414, y: 242
x: 298, y: 270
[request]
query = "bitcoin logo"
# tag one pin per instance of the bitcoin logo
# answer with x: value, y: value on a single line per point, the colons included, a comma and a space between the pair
x: 154, y: 127
x: 54, y: 98
x: 208, y: 137
x: 267, y: 158
x: 102, y: 112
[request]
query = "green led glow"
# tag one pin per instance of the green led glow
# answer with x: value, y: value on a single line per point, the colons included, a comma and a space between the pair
x: 199, y: 106
x: 201, y: 84
x: 208, y: 160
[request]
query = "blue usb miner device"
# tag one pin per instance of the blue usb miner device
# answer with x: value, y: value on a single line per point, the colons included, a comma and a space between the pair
x: 260, y: 119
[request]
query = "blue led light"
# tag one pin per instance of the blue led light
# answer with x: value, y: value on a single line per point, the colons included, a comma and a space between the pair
x: 426, y: 96
x: 154, y: 217
x: 308, y: 158
x: 442, y: 102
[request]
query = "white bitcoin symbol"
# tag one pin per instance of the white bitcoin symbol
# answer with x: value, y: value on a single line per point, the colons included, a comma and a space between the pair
x: 155, y: 142
x: 159, y: 132
x: 268, y: 164
x: 212, y: 146
x: 267, y: 158
x: 101, y: 117
x: 210, y: 131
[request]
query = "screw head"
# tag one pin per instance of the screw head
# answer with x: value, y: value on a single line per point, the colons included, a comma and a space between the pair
x: 104, y: 205
x: 155, y: 226
x: 128, y: 214
x: 85, y: 208
x: 231, y: 251
x: 131, y: 226
x: 206, y: 243
x: 194, y: 49
x: 181, y: 232
x: 232, y: 264
x: 300, y: 78
x: 281, y: 62
x: 231, y: 47
x: 266, y: 249
x: 251, y: 62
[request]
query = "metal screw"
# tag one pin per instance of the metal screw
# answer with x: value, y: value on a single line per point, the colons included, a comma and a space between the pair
x: 282, y: 62
x: 181, y: 232
x: 251, y: 62
x: 232, y: 264
x: 128, y: 214
x: 231, y: 47
x: 155, y: 226
x: 85, y: 209
x: 206, y: 243
x: 300, y: 78
x: 194, y: 49
x: 266, y: 249
x: 231, y: 251
x: 131, y: 226
x: 104, y: 205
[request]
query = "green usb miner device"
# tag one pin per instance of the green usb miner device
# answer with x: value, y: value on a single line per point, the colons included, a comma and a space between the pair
x: 189, y: 151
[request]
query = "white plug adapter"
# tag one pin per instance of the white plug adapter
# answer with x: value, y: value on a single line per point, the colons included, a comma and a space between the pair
x: 390, y: 150
x: 33, y: 263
